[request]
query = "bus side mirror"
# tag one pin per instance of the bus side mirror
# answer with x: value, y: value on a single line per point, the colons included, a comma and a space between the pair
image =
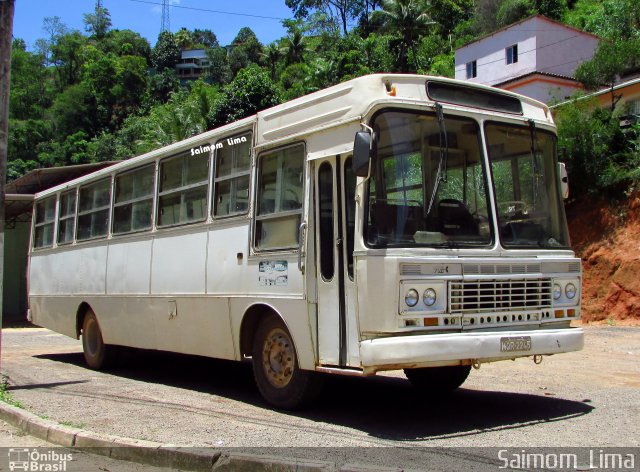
x: 361, y: 154
x: 564, y: 180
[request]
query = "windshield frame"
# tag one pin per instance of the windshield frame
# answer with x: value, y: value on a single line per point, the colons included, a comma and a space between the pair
x: 483, y: 160
x: 526, y: 126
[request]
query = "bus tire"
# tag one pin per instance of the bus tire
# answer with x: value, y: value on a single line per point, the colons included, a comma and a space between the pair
x: 438, y: 380
x: 97, y: 354
x: 275, y: 368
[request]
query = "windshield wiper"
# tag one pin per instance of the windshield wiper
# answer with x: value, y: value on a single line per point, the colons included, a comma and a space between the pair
x: 441, y: 175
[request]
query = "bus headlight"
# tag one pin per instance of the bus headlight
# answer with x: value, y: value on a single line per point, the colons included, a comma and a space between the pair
x: 411, y: 298
x: 557, y: 291
x: 429, y: 297
x: 570, y: 291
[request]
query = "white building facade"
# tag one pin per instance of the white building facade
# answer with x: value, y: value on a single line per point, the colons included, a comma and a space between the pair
x: 536, y: 57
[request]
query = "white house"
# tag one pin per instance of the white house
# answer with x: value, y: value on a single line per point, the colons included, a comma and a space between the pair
x: 536, y: 57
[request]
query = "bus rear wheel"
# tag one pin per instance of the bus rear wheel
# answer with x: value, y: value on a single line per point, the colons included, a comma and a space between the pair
x: 275, y: 368
x: 97, y: 354
x: 438, y: 380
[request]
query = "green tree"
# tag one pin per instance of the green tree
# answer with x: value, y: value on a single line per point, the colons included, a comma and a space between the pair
x: 67, y: 57
x: 246, y: 49
x: 29, y: 83
x: 126, y: 43
x: 251, y: 91
x: 554, y: 9
x: 98, y: 22
x: 271, y: 55
x: 611, y: 60
x: 449, y: 13
x: 184, y: 38
x: 166, y: 53
x: 74, y: 110
x: 294, y: 47
x: 617, y: 20
x: 54, y: 26
x: 205, y: 38
x: 511, y: 11
x: 600, y: 155
x: 160, y: 86
x: 411, y: 20
x: 340, y: 11
x: 219, y: 71
x: 24, y: 138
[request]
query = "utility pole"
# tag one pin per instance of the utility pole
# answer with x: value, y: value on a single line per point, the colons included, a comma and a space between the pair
x: 6, y: 35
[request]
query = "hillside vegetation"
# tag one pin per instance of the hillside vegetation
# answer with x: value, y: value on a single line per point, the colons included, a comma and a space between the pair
x: 105, y: 94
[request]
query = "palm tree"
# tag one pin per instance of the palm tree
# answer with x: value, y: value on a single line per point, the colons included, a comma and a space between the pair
x: 410, y: 18
x: 295, y: 47
x: 272, y: 54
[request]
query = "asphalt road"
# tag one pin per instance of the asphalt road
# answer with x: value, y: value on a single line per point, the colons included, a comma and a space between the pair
x: 589, y: 398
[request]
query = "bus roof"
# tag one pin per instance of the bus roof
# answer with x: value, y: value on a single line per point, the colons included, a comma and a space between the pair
x: 346, y: 102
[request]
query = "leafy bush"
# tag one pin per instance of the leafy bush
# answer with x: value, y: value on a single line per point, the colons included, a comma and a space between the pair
x: 600, y: 155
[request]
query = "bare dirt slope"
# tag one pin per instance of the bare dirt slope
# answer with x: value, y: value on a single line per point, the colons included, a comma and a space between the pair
x: 606, y: 235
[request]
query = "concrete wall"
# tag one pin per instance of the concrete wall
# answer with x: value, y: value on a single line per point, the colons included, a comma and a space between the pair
x: 489, y: 53
x: 544, y: 91
x: 14, y: 296
x: 561, y: 50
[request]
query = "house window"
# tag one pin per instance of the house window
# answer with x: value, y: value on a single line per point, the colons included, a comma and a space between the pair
x: 472, y: 70
x: 512, y: 54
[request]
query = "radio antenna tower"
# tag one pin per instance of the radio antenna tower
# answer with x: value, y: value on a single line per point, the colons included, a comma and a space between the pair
x: 164, y: 23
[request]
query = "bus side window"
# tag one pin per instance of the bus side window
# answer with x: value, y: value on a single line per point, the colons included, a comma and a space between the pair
x: 93, y: 210
x: 184, y: 181
x: 67, y: 217
x: 231, y: 182
x: 45, y: 215
x: 279, y: 205
x: 133, y: 203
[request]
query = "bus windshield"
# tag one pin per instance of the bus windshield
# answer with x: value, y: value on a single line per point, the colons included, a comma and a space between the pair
x: 428, y: 183
x: 524, y: 175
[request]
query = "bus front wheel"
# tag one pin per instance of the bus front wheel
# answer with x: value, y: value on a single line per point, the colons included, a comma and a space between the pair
x: 97, y: 354
x: 438, y: 380
x: 275, y: 368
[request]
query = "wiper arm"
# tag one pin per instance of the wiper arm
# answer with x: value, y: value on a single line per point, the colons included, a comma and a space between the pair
x: 441, y: 175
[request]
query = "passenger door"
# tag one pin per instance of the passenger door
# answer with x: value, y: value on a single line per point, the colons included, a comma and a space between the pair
x: 334, y: 209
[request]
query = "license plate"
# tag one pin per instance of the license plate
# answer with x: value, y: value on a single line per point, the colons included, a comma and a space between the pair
x: 515, y: 343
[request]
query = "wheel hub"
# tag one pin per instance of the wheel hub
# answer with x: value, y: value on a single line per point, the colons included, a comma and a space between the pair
x: 278, y: 358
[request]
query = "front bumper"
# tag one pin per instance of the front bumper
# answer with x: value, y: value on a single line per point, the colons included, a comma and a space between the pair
x: 449, y: 349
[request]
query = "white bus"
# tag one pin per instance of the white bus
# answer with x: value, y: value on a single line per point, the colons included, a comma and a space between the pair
x: 389, y: 222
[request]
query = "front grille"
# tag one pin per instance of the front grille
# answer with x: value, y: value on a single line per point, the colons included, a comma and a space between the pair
x: 500, y: 295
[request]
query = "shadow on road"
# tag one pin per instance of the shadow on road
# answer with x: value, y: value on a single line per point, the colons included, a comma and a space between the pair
x: 384, y: 407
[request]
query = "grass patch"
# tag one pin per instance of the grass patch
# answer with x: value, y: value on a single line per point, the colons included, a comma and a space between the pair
x: 6, y: 396
x: 73, y: 424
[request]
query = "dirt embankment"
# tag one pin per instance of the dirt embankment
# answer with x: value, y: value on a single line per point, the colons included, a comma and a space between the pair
x: 606, y: 235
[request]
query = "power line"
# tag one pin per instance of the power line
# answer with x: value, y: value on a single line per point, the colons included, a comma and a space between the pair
x: 211, y: 11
